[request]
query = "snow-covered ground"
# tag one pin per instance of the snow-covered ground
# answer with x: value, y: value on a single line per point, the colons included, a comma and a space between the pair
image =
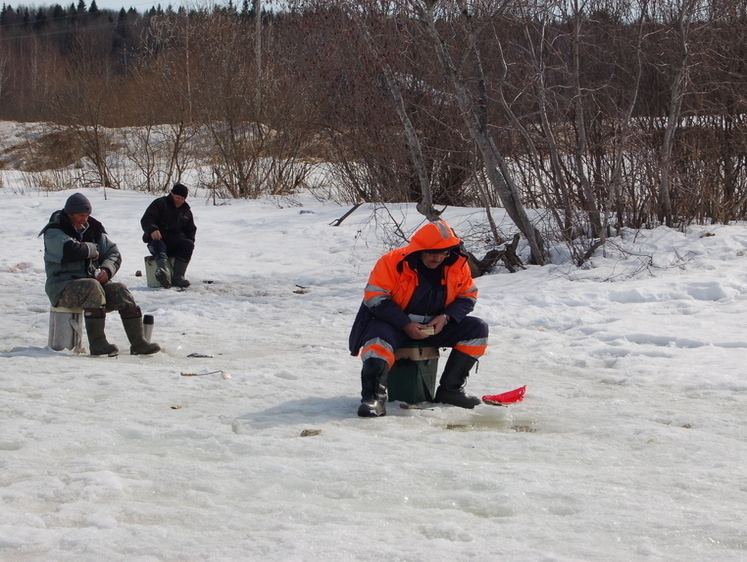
x: 631, y: 443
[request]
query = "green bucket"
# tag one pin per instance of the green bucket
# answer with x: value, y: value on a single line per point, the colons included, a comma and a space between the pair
x: 412, y: 379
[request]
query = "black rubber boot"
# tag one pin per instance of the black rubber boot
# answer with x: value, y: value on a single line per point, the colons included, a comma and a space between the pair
x: 95, y: 320
x: 454, y: 378
x: 164, y: 271
x: 180, y: 268
x: 132, y: 320
x: 373, y: 388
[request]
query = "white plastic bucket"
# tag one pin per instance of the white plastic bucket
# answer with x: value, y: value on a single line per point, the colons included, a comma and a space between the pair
x: 66, y: 328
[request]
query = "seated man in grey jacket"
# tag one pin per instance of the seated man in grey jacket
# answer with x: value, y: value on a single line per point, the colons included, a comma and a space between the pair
x: 80, y: 260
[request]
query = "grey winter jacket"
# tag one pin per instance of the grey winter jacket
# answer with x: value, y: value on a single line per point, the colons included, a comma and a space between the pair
x: 68, y: 254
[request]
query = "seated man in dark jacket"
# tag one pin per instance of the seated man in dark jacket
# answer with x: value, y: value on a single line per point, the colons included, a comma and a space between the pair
x: 80, y: 260
x: 169, y: 230
x: 422, y: 292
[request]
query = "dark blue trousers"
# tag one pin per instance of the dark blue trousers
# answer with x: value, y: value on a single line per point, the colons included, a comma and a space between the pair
x: 382, y: 340
x: 180, y: 248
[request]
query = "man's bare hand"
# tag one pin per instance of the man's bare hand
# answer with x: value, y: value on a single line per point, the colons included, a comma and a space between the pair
x: 414, y: 331
x: 438, y: 323
x: 155, y: 235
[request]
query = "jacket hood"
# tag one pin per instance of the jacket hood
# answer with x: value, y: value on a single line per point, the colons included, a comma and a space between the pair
x: 61, y: 221
x: 435, y: 235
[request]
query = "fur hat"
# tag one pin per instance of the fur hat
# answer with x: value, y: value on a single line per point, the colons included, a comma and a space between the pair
x: 77, y: 203
x: 180, y: 190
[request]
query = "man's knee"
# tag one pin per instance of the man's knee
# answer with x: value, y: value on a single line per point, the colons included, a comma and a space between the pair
x: 388, y: 335
x: 156, y: 247
x: 83, y: 293
x: 184, y: 249
x: 118, y: 296
x: 476, y: 326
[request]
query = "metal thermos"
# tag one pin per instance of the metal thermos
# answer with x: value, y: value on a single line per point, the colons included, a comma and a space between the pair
x: 147, y: 326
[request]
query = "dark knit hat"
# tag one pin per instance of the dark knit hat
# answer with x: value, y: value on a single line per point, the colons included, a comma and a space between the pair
x: 180, y: 190
x: 77, y: 203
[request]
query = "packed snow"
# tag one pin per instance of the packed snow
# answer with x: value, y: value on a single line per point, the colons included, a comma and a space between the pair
x: 630, y: 444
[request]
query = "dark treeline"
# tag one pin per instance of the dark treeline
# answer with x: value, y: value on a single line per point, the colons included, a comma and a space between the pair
x: 606, y: 114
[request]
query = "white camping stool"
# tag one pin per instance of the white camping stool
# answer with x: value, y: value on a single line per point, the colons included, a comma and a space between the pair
x: 150, y: 271
x: 66, y: 329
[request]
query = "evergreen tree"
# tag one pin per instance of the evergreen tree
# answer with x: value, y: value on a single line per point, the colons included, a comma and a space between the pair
x: 6, y: 15
x: 40, y: 21
x: 58, y: 13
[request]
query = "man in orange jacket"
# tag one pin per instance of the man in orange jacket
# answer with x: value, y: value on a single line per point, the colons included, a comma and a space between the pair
x: 420, y: 292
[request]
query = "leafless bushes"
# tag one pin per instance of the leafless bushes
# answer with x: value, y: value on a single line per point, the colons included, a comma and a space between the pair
x: 605, y: 114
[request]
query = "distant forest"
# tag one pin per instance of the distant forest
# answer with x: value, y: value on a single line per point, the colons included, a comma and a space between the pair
x: 609, y: 113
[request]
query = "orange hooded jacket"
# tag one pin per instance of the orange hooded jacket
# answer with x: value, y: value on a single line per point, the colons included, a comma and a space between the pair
x: 393, y: 279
